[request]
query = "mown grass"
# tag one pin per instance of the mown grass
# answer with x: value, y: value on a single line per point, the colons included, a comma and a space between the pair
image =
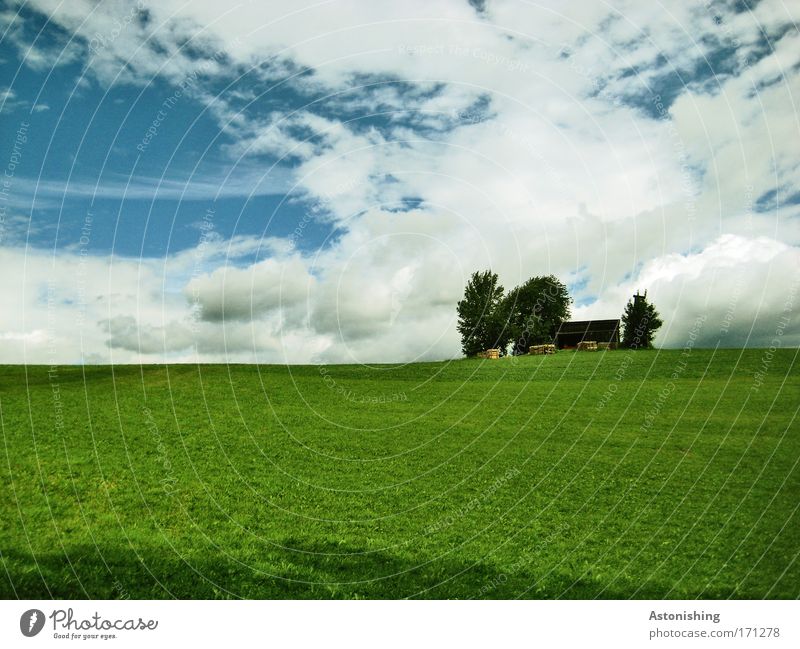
x: 610, y: 474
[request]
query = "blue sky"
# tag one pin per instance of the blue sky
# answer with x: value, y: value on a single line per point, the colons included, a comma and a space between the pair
x: 90, y: 151
x: 315, y: 182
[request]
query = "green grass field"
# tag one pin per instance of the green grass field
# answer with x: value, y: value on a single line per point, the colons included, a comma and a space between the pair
x: 609, y: 474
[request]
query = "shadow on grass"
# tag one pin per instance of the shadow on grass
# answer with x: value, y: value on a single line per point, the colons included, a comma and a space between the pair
x: 318, y: 570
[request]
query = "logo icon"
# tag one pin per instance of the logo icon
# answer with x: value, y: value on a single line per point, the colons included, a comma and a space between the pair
x: 31, y: 622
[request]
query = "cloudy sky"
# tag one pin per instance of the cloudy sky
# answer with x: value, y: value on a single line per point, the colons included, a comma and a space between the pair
x: 315, y: 181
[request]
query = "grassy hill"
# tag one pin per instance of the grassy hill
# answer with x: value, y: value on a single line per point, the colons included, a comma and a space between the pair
x: 608, y: 474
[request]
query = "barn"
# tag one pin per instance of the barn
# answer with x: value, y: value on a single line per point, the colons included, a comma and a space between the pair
x: 569, y: 334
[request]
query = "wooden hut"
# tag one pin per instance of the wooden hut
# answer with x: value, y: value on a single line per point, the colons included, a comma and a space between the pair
x: 570, y: 334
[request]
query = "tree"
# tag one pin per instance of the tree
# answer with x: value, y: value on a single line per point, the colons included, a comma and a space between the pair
x: 535, y: 310
x: 640, y: 322
x: 480, y: 320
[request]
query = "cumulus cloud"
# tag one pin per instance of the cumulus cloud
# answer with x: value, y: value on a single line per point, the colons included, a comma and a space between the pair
x: 746, y: 290
x: 231, y: 293
x: 621, y: 148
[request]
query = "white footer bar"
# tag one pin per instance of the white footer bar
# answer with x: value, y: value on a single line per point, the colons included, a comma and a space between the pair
x: 404, y: 624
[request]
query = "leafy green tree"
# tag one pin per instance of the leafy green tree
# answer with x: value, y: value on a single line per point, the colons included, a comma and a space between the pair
x: 480, y: 319
x: 640, y: 321
x: 535, y: 310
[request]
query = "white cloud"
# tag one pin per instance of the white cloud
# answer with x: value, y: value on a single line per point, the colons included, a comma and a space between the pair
x: 230, y: 293
x: 242, y: 179
x: 506, y: 133
x: 741, y: 307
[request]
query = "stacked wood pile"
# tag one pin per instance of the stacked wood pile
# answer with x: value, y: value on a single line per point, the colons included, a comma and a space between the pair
x: 542, y: 349
x: 489, y: 353
x: 604, y: 346
x: 587, y: 346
